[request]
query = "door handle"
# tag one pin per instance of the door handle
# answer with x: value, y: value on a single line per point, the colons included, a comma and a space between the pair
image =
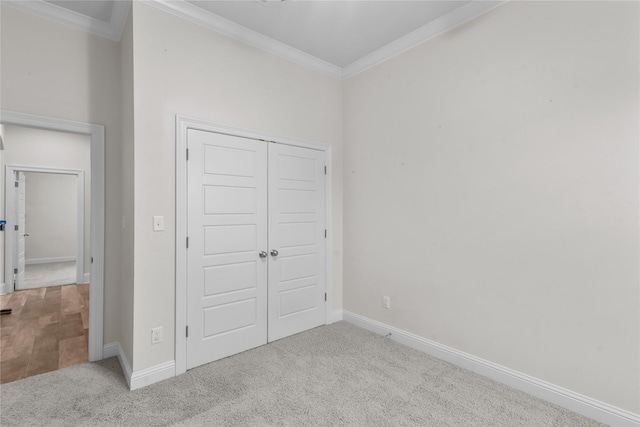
x: 26, y: 234
x: 274, y: 252
x: 262, y: 254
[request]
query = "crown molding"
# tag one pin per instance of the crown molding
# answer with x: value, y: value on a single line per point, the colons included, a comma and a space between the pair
x: 111, y: 30
x: 433, y: 29
x: 196, y: 15
x: 199, y: 16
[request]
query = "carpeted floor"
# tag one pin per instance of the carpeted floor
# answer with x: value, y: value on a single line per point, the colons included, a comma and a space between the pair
x: 332, y: 375
x: 49, y: 274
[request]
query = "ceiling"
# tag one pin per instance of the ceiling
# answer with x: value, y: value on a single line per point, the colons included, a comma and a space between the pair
x: 336, y: 37
x: 339, y: 32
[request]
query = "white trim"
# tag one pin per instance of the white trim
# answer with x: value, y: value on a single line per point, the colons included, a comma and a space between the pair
x: 182, y: 9
x: 111, y: 350
x: 141, y: 378
x: 568, y: 399
x: 183, y: 124
x: 328, y: 247
x: 334, y: 317
x: 10, y: 212
x: 433, y: 29
x: 86, y: 278
x: 114, y: 349
x: 96, y: 289
x: 204, y: 18
x: 152, y: 375
x: 111, y: 30
x: 49, y: 260
x: 4, y: 289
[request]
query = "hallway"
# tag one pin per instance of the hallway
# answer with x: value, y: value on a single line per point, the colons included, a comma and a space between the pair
x: 47, y: 330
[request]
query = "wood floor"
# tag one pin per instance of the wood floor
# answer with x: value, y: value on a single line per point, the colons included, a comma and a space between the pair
x: 47, y: 330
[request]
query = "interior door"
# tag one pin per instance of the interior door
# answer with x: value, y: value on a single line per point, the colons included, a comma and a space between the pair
x: 227, y: 230
x: 297, y: 282
x: 21, y: 232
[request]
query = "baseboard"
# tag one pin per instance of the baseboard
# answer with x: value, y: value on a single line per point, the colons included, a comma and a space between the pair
x: 568, y: 399
x: 141, y: 378
x: 49, y: 260
x: 114, y: 349
x: 87, y: 278
x: 334, y: 317
x: 152, y: 375
x: 4, y: 289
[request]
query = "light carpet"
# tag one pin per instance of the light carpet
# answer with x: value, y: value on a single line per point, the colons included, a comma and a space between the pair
x: 49, y: 274
x: 332, y: 375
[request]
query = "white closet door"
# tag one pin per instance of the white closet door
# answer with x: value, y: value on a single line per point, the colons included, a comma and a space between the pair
x: 297, y: 234
x: 227, y: 214
x: 21, y: 233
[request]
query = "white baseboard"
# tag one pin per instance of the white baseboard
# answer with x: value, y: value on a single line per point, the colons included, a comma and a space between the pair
x: 141, y: 378
x: 568, y: 399
x: 334, y: 317
x: 152, y: 375
x: 4, y: 289
x: 114, y: 349
x: 87, y: 278
x: 49, y: 260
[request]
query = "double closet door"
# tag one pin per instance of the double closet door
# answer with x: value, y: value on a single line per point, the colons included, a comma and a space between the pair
x: 256, y: 248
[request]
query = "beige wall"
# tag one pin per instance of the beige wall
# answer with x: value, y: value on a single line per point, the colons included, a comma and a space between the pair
x: 127, y: 199
x: 48, y: 149
x: 51, y: 206
x: 192, y: 71
x: 2, y: 215
x: 52, y: 70
x: 491, y: 190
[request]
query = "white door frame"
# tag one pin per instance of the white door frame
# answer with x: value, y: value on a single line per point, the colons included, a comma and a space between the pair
x: 96, y: 287
x: 183, y: 124
x: 11, y: 213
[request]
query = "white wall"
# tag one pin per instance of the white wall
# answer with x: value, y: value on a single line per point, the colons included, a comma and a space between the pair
x: 125, y: 312
x: 2, y: 216
x: 491, y: 190
x: 40, y: 148
x: 51, y: 206
x: 52, y: 70
x: 192, y: 71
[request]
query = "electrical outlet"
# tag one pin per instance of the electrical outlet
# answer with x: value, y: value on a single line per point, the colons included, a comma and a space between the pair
x: 386, y: 302
x: 156, y: 335
x: 158, y: 223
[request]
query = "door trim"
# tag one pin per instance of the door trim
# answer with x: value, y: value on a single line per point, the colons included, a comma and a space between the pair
x: 183, y: 124
x: 96, y: 287
x: 10, y: 211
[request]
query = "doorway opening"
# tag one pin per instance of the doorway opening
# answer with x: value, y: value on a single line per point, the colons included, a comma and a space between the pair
x: 92, y: 293
x: 46, y: 246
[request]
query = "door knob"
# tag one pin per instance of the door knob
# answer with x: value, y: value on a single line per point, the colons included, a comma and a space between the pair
x: 274, y: 252
x: 263, y: 254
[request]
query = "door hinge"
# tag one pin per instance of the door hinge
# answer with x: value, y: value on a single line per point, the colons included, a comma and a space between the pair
x: 325, y: 170
x: 15, y: 227
x: 187, y: 243
x: 15, y: 271
x: 187, y: 332
x: 325, y: 296
x: 325, y: 234
x: 91, y: 260
x: 17, y: 184
x: 187, y: 154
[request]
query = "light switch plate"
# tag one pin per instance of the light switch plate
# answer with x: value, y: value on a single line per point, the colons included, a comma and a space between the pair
x: 158, y: 223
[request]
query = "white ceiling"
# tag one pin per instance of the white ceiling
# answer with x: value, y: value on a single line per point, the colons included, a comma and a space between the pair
x: 335, y: 37
x: 339, y: 32
x: 97, y: 9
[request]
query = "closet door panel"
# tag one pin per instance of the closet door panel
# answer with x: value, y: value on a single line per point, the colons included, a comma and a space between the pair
x: 297, y: 233
x: 227, y: 215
